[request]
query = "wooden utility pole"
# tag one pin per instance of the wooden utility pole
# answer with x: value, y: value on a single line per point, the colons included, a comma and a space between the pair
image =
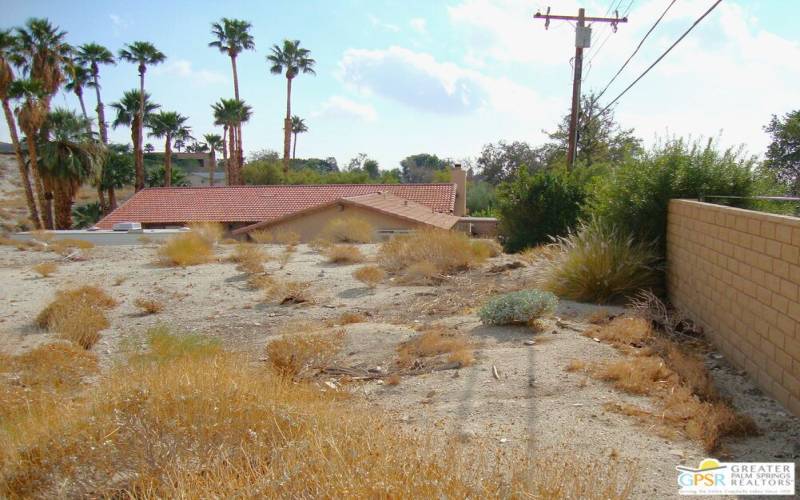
x: 583, y: 37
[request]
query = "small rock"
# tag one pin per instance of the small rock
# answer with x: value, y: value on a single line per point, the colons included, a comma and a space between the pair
x: 577, y: 404
x: 677, y: 453
x: 379, y: 382
x: 503, y: 440
x: 530, y: 342
x: 595, y: 339
x: 717, y: 356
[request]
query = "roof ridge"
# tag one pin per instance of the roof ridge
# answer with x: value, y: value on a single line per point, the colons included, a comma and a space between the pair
x: 251, y: 186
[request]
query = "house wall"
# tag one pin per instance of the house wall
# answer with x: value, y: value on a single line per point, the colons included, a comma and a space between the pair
x: 737, y: 273
x: 311, y: 225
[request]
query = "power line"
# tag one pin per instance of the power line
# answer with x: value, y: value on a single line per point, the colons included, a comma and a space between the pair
x: 608, y: 35
x: 706, y: 13
x: 637, y: 48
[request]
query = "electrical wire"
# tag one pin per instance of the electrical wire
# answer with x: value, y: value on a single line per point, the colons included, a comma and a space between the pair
x: 608, y: 36
x: 699, y: 19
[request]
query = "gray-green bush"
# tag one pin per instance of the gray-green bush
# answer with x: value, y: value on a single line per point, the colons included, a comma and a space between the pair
x: 519, y: 307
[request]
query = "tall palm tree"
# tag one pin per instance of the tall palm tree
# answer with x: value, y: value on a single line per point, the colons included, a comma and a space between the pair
x: 232, y: 38
x: 168, y: 125
x: 293, y: 60
x: 231, y: 113
x: 77, y: 80
x: 214, y: 142
x: 7, y: 57
x: 298, y: 127
x: 93, y: 55
x: 127, y: 115
x: 69, y: 156
x: 143, y: 54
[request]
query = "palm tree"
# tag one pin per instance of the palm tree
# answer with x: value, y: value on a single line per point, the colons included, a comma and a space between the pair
x: 148, y: 148
x: 93, y: 55
x: 214, y: 142
x: 143, y: 54
x: 168, y: 125
x: 298, y: 127
x: 294, y: 60
x: 127, y: 115
x: 233, y: 37
x: 231, y: 114
x: 77, y: 79
x: 7, y: 57
x: 69, y: 156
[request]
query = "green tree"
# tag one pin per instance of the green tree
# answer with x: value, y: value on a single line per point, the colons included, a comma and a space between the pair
x: 118, y: 170
x: 783, y: 153
x: 127, y: 115
x: 232, y: 38
x: 500, y: 162
x: 215, y: 143
x: 420, y: 167
x: 77, y: 80
x: 231, y: 114
x: 168, y: 125
x: 481, y: 198
x: 142, y: 54
x: 93, y: 55
x: 8, y: 56
x: 298, y: 127
x: 292, y: 60
x: 372, y: 168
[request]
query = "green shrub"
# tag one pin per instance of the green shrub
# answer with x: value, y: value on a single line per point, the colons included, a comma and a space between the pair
x: 518, y: 307
x: 533, y: 207
x: 634, y: 197
x: 600, y: 264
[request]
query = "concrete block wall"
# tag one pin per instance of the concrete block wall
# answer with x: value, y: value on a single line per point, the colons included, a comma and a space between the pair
x: 737, y: 273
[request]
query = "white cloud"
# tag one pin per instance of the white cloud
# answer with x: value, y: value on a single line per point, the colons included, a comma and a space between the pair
x: 118, y: 23
x: 342, y: 107
x: 420, y: 25
x: 183, y: 69
x: 377, y: 23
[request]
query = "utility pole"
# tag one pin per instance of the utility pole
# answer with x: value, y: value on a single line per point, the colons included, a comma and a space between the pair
x: 583, y: 40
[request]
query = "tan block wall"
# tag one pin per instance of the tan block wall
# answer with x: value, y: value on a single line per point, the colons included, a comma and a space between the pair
x: 311, y: 225
x: 737, y: 273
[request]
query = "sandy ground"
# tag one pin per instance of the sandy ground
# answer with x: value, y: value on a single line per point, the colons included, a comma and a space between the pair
x: 534, y: 405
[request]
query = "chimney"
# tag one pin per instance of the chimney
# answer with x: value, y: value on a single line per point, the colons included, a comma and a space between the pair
x: 459, y: 177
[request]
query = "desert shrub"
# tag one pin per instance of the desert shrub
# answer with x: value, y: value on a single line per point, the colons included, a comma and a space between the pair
x: 446, y: 251
x: 77, y: 315
x: 485, y: 249
x: 319, y: 245
x: 250, y: 258
x: 226, y: 426
x: 45, y: 269
x: 369, y: 275
x: 624, y: 331
x: 600, y: 264
x: 66, y: 246
x: 286, y: 292
x: 287, y: 237
x: 433, y: 342
x: 149, y: 306
x: 344, y: 254
x: 261, y: 236
x: 286, y: 255
x: 532, y: 207
x: 350, y: 229
x: 522, y: 307
x: 421, y: 274
x: 186, y: 249
x: 210, y: 232
x: 294, y: 354
x: 347, y: 318
x: 635, y: 198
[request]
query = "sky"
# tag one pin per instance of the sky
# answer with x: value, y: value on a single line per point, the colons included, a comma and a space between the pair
x: 401, y: 77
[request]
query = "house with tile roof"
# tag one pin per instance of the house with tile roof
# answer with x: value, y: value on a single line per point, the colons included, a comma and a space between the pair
x: 304, y: 209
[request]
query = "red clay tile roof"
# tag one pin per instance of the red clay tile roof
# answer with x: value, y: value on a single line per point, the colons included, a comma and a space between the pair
x: 259, y: 203
x: 381, y: 202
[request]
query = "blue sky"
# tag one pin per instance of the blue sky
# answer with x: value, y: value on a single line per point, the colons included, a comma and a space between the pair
x: 402, y: 77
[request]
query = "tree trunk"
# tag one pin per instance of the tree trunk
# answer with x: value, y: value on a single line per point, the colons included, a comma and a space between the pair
x: 44, y: 202
x: 112, y: 198
x: 139, y: 161
x: 62, y: 204
x: 212, y: 168
x: 294, y: 146
x: 287, y: 126
x: 234, y: 156
x: 101, y: 116
x: 33, y: 212
x: 235, y: 78
x: 137, y: 144
x: 168, y: 161
x: 225, y: 155
x: 79, y: 93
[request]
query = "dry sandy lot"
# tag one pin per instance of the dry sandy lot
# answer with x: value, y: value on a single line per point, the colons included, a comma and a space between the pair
x: 534, y: 404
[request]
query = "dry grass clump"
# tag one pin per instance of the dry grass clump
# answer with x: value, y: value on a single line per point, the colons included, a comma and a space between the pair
x: 287, y: 237
x: 149, y: 306
x: 347, y: 318
x: 77, y: 315
x: 286, y: 292
x: 186, y: 419
x: 295, y: 354
x: 625, y: 331
x: 434, y: 342
x: 261, y: 236
x: 210, y: 232
x: 250, y: 258
x: 575, y: 365
x: 421, y: 274
x: 45, y: 269
x: 350, y: 229
x: 319, y: 245
x: 286, y: 255
x: 485, y: 249
x: 187, y: 249
x: 637, y: 375
x: 446, y: 252
x: 344, y: 254
x: 68, y: 245
x: 369, y: 275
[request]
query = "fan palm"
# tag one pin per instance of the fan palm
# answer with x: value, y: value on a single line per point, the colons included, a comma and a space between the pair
x: 69, y: 156
x: 298, y: 127
x: 292, y: 60
x: 92, y: 55
x: 7, y: 57
x: 168, y: 125
x: 231, y: 114
x: 143, y: 54
x: 214, y: 142
x: 127, y: 115
x: 77, y: 80
x: 43, y: 52
x: 232, y: 38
